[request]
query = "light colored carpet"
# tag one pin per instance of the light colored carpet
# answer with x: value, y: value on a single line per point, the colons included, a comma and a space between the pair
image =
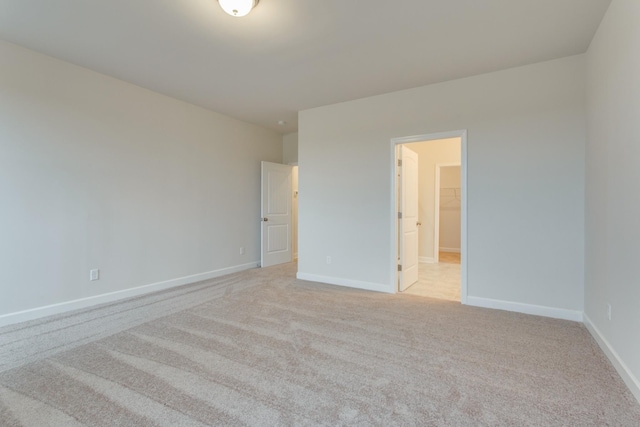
x: 262, y: 348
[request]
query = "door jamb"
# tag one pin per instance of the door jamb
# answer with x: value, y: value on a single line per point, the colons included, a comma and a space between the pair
x: 393, y: 217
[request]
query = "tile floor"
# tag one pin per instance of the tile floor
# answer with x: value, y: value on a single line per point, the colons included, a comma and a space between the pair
x: 441, y: 280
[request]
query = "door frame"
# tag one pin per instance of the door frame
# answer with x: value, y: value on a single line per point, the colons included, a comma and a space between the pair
x: 393, y: 203
x: 436, y: 209
x: 264, y: 185
x: 294, y: 209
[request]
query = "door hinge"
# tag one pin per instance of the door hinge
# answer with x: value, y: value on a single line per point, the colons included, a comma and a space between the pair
x: 399, y: 267
x: 399, y: 215
x: 399, y: 162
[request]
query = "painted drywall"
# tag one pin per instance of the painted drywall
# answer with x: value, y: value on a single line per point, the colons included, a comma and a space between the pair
x: 290, y: 149
x: 450, y: 203
x: 613, y: 174
x: 526, y: 134
x: 450, y: 177
x: 429, y: 154
x: 98, y: 173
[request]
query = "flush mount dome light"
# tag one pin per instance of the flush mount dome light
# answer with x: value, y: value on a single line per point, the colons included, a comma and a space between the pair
x: 238, y: 7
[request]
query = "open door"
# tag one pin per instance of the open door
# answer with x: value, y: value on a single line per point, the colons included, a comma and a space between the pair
x: 276, y: 214
x: 408, y: 218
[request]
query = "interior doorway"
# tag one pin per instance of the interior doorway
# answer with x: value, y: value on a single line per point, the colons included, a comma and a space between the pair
x: 276, y: 214
x: 441, y: 248
x: 279, y: 214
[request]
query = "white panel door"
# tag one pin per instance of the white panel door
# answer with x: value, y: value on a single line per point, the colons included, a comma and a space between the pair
x: 276, y: 214
x: 409, y: 222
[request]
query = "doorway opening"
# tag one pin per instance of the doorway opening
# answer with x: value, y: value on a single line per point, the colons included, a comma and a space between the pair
x: 429, y: 215
x: 279, y: 214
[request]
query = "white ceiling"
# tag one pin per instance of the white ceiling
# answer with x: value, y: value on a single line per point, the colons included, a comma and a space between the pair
x: 290, y: 55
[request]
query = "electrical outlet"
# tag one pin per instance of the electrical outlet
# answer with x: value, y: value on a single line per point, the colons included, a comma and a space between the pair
x: 241, y: 250
x: 94, y: 274
x: 609, y: 311
x: 328, y: 260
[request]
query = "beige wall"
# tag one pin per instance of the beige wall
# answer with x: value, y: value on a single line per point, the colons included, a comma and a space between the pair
x: 450, y: 177
x: 450, y: 204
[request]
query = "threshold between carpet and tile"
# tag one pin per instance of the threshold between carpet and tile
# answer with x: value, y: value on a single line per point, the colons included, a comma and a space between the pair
x: 263, y: 348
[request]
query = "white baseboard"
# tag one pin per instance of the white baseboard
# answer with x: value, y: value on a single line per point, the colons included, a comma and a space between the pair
x: 63, y: 307
x: 623, y: 370
x: 369, y: 286
x: 426, y: 260
x: 450, y: 250
x: 538, y: 310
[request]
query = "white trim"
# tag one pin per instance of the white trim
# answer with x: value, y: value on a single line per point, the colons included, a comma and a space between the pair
x: 393, y: 229
x: 426, y: 260
x: 429, y: 137
x: 463, y: 219
x: 450, y: 250
x: 623, y: 370
x: 518, y: 307
x: 63, y: 307
x: 338, y: 281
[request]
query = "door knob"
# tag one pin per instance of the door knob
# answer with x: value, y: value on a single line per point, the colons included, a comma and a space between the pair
x: 265, y: 219
x: 418, y: 224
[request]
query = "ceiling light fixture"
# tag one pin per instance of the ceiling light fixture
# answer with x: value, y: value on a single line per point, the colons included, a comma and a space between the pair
x: 238, y: 8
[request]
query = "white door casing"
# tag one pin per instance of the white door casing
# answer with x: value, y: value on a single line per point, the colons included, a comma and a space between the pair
x: 276, y: 214
x: 394, y: 226
x: 409, y: 222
